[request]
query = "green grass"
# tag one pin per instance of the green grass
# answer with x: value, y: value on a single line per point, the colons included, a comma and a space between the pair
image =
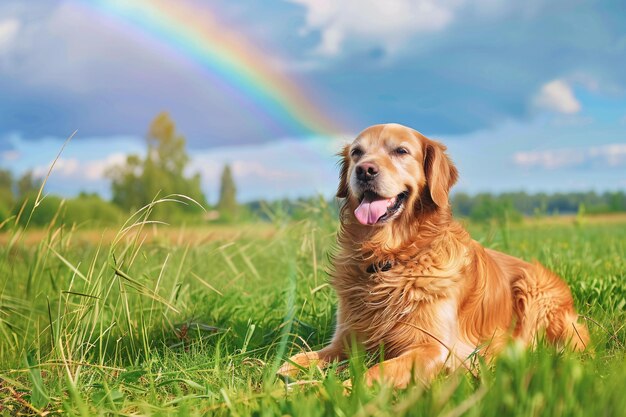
x: 134, y: 327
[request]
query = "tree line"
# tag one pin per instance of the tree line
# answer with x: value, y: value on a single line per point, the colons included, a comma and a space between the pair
x: 514, y: 205
x: 14, y: 190
x: 163, y: 175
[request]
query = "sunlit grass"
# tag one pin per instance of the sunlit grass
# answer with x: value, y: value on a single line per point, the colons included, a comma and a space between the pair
x: 151, y: 319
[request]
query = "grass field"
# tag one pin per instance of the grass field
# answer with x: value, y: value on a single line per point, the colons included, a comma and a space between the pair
x: 161, y: 320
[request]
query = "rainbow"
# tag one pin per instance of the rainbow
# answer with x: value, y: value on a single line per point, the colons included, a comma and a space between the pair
x: 197, y: 34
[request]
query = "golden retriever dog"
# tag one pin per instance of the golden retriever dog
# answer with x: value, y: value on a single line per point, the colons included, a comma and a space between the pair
x: 410, y: 278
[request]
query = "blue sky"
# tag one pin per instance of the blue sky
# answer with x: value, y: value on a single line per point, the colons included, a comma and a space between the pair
x: 527, y: 95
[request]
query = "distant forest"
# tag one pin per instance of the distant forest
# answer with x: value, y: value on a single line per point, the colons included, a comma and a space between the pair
x: 484, y: 206
x: 479, y: 207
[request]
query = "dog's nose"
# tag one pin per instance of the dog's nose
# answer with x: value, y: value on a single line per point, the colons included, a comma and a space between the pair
x: 366, y: 171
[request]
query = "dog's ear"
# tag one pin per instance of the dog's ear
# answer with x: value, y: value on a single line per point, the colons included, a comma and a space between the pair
x: 344, y: 163
x: 441, y: 174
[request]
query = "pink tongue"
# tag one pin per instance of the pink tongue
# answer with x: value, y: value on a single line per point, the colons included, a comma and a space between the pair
x: 369, y: 211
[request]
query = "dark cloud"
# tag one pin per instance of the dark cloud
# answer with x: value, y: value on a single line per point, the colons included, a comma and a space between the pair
x: 482, y: 71
x: 72, y: 70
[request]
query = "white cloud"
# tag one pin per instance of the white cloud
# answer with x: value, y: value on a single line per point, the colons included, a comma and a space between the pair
x: 63, y: 167
x: 290, y: 167
x: 91, y: 170
x: 8, y: 31
x: 96, y: 170
x: 612, y: 155
x: 10, y: 155
x: 557, y: 96
x: 594, y: 84
x: 257, y: 169
x: 210, y: 166
x: 390, y: 22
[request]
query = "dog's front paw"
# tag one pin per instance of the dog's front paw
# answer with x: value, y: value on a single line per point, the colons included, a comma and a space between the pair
x: 296, y: 363
x: 347, y: 387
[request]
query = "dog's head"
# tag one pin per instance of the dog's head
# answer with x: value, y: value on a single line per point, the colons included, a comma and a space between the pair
x: 390, y: 170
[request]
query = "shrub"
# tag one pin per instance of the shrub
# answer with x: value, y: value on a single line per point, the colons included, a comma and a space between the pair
x: 91, y: 209
x: 86, y: 208
x: 42, y: 215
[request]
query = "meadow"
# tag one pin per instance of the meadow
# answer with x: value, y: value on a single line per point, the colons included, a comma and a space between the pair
x: 148, y: 318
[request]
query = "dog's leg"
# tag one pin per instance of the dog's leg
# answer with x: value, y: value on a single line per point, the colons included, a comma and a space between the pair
x: 543, y: 301
x: 321, y: 358
x: 421, y: 363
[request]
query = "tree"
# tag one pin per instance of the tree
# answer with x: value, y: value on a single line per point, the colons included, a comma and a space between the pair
x: 161, y: 173
x: 126, y: 187
x: 493, y: 208
x: 27, y: 184
x: 227, y: 204
x: 6, y: 179
x: 166, y: 148
x: 462, y: 204
x: 48, y: 208
x: 6, y: 193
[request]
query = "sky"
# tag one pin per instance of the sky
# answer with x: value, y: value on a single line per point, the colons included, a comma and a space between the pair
x: 526, y: 95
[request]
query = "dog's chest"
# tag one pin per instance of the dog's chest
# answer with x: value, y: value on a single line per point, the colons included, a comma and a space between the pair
x: 397, y: 286
x: 394, y: 303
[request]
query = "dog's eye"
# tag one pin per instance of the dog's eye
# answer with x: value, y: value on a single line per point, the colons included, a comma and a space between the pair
x: 356, y: 152
x: 402, y: 151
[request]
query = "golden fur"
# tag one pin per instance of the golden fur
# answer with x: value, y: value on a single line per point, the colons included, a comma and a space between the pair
x: 442, y: 295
